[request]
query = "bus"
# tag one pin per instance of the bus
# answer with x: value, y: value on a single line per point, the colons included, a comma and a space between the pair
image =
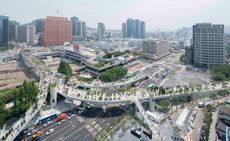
x: 46, y: 119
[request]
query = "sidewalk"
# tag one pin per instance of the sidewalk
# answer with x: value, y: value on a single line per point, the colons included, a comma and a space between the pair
x: 212, y: 132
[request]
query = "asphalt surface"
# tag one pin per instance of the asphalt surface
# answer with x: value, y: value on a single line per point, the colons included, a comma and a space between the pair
x: 82, y: 127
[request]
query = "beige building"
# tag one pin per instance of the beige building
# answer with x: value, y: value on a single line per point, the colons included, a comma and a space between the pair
x: 155, y: 49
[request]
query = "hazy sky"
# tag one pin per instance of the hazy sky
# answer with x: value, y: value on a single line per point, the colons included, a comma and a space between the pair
x: 163, y: 14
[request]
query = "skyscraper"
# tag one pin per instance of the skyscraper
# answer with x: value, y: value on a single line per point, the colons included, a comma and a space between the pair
x: 101, y: 31
x: 135, y: 28
x: 26, y: 34
x: 13, y: 28
x: 4, y: 27
x: 78, y: 29
x: 74, y: 21
x: 208, y: 45
x: 124, y: 30
x: 81, y: 29
x: 56, y: 31
x: 39, y: 26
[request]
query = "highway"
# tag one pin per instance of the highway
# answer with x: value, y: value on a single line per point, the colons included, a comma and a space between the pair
x: 80, y: 127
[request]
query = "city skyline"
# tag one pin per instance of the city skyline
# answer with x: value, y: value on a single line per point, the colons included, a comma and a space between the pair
x: 163, y: 15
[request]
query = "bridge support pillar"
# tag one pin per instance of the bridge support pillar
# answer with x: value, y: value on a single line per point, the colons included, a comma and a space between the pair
x: 104, y: 107
x: 53, y: 96
x: 151, y: 102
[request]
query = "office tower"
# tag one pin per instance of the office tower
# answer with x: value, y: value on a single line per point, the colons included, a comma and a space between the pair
x: 101, y: 31
x: 124, y: 30
x: 155, y: 49
x: 26, y: 34
x: 74, y: 21
x: 38, y: 26
x: 135, y: 28
x: 4, y: 27
x: 13, y: 28
x: 56, y: 31
x: 208, y: 45
x: 81, y: 29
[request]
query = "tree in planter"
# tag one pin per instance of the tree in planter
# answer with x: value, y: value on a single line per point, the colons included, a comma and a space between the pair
x: 64, y: 68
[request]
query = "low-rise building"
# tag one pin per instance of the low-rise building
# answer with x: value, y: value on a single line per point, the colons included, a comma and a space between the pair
x: 223, y: 120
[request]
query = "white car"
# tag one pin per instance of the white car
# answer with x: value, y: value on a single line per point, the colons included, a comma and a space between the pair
x: 59, y: 123
x: 50, y: 131
x: 45, y: 125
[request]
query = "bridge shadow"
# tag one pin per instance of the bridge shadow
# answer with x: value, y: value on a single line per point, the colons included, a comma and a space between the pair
x: 96, y: 112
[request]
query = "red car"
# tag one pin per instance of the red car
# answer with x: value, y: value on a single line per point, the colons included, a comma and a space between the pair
x: 61, y: 117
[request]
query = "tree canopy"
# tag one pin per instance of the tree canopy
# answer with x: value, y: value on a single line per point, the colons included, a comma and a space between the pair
x: 65, y: 69
x: 23, y: 98
x: 115, y: 54
x: 221, y: 73
x: 113, y: 74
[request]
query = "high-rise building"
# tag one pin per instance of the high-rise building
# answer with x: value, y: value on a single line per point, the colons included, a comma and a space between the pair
x: 100, y: 31
x: 135, y: 28
x: 208, y: 45
x: 39, y: 26
x: 81, y: 29
x: 26, y: 34
x: 124, y: 30
x: 4, y: 27
x: 56, y: 31
x: 78, y: 29
x: 13, y: 28
x: 74, y: 21
x: 155, y: 49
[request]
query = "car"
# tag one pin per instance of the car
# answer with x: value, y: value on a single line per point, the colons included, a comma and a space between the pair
x: 29, y: 133
x: 50, y: 131
x: 191, y: 125
x: 37, y: 134
x: 69, y: 117
x: 34, y: 130
x: 45, y: 125
x: 50, y: 122
x: 30, y: 128
x: 59, y: 123
x: 73, y: 115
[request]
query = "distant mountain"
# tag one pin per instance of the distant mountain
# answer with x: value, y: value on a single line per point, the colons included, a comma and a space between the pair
x: 94, y: 30
x: 91, y: 29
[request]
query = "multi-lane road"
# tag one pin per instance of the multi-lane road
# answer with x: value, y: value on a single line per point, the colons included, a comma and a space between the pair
x: 80, y: 127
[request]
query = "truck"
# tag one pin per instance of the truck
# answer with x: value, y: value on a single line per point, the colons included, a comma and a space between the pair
x: 61, y: 117
x: 136, y: 132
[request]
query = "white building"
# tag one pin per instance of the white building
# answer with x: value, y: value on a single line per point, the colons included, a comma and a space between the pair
x: 155, y: 49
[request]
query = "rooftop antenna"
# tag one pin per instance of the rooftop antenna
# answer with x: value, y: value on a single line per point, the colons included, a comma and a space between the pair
x: 57, y: 12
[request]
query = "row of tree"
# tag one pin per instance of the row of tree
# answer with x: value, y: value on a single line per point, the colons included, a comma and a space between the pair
x: 114, y: 54
x: 64, y: 68
x: 23, y: 98
x: 113, y: 74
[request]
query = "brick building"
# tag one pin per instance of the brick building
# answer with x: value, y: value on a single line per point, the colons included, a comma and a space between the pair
x: 56, y: 31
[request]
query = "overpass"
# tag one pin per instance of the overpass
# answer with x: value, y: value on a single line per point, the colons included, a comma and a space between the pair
x: 45, y: 78
x: 126, y: 97
x: 112, y: 85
